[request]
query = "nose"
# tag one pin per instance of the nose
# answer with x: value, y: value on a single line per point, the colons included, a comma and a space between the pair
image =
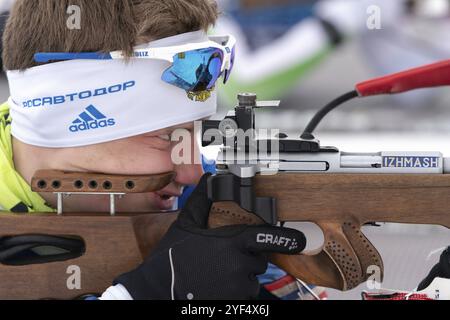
x: 188, y: 174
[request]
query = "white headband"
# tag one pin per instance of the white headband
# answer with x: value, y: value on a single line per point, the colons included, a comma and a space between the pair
x: 83, y: 102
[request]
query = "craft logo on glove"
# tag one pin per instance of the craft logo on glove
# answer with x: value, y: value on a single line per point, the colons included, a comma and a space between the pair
x: 280, y: 241
x: 91, y: 119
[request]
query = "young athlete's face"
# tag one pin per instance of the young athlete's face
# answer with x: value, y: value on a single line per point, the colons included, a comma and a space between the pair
x: 146, y: 154
x: 141, y: 155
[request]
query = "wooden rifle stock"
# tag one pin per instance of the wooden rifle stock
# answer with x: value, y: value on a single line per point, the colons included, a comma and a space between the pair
x: 340, y: 204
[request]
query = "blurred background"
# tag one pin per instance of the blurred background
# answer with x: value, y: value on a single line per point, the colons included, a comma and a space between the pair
x: 306, y: 53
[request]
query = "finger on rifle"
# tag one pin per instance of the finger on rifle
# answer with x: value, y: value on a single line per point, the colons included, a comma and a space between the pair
x: 196, y: 211
x: 274, y: 239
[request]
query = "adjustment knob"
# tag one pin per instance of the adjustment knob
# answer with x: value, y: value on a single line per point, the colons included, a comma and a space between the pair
x: 228, y: 128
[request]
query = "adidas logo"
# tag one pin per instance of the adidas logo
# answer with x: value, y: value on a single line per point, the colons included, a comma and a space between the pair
x: 91, y: 119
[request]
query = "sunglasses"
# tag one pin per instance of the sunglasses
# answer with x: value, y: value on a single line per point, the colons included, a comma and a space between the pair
x: 196, y: 67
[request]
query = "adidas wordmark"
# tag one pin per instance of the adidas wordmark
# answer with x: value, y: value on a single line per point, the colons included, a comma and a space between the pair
x: 91, y: 119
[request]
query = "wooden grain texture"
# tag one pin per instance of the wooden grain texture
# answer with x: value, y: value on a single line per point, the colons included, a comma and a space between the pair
x: 59, y: 181
x: 338, y: 204
x: 417, y: 199
x: 111, y: 249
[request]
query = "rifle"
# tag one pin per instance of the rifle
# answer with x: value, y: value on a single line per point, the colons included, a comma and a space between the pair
x: 293, y: 180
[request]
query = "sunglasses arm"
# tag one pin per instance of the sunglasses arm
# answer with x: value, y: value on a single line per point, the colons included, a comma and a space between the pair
x: 148, y: 54
x: 45, y: 57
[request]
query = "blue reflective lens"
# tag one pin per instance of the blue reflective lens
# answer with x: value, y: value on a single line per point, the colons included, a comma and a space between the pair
x: 228, y: 72
x: 214, y: 68
x: 196, y: 70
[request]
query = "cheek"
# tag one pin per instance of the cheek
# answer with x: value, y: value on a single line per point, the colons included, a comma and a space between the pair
x: 128, y: 159
x: 185, y: 149
x: 152, y: 162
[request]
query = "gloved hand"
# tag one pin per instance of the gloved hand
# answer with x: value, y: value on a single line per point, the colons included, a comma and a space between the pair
x: 193, y: 262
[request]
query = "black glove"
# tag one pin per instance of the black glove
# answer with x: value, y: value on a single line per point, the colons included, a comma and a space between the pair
x: 193, y: 262
x: 440, y: 270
